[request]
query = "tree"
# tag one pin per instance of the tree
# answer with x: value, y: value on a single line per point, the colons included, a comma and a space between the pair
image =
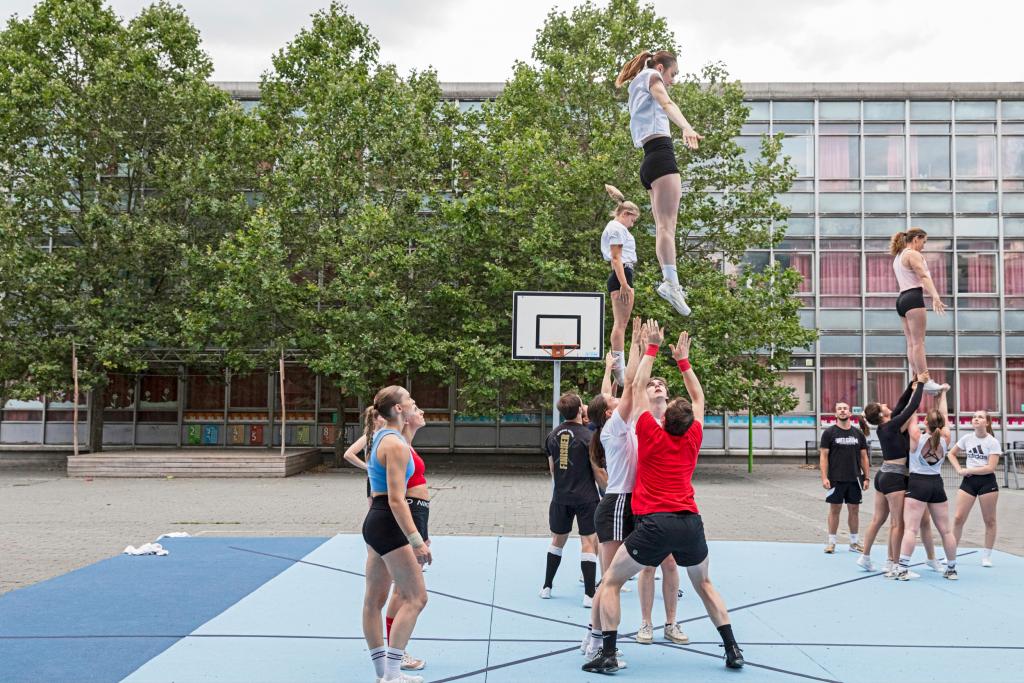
x: 533, y: 164
x: 360, y: 155
x: 115, y: 149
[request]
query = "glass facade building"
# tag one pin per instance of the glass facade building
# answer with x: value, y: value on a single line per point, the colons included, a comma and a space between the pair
x: 872, y: 159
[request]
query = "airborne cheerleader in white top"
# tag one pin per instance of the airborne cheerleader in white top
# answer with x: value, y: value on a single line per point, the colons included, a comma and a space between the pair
x: 619, y: 249
x: 649, y: 74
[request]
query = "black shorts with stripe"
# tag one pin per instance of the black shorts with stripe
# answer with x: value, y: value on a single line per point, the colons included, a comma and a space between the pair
x: 614, y: 517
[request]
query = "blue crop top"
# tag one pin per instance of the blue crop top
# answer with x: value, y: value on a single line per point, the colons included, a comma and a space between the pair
x: 377, y: 473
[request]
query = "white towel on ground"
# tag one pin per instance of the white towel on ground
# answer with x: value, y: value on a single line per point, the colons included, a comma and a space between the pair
x: 146, y: 549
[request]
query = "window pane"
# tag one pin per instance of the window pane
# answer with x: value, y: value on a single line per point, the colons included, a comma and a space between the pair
x: 976, y: 157
x: 205, y: 392
x: 883, y: 156
x: 929, y: 128
x: 929, y: 157
x: 797, y: 202
x: 1013, y: 110
x: 249, y: 391
x: 158, y: 401
x: 801, y: 151
x: 751, y: 146
x: 839, y: 111
x: 886, y: 386
x: 840, y: 157
x: 758, y: 111
x: 793, y: 111
x: 840, y: 226
x: 1013, y: 273
x: 976, y: 129
x: 800, y: 262
x: 883, y: 111
x: 1013, y: 157
x: 881, y: 279
x: 931, y: 203
x: 976, y: 203
x: 803, y: 388
x: 977, y: 227
x: 800, y: 226
x: 884, y: 226
x: 976, y: 273
x: 929, y: 111
x: 840, y: 274
x: 885, y: 186
x: 934, y: 226
x: 839, y: 203
x: 119, y: 398
x: 975, y: 110
x: 840, y: 383
x: 299, y: 391
x: 794, y: 128
x: 977, y: 391
x: 885, y: 203
x: 839, y: 129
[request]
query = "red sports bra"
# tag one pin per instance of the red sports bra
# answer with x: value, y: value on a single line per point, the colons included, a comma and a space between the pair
x: 419, y: 468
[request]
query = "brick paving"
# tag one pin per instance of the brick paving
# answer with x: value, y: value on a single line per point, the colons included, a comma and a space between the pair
x: 50, y: 524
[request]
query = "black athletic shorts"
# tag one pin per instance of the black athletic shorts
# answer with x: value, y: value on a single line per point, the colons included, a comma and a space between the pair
x: 614, y: 517
x: 560, y: 517
x: 890, y: 482
x: 659, y: 160
x: 980, y: 484
x: 908, y: 300
x: 926, y: 488
x: 613, y: 279
x: 420, y: 510
x: 380, y: 530
x: 848, y: 492
x: 660, y: 534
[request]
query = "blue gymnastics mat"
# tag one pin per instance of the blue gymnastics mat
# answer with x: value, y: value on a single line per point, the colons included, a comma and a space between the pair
x: 288, y: 609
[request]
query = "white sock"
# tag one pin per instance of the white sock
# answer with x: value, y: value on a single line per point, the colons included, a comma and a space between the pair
x: 669, y: 274
x: 393, y: 666
x: 377, y: 656
x: 555, y: 550
x: 832, y: 539
x: 986, y: 553
x: 596, y: 640
x: 617, y: 355
x: 854, y: 538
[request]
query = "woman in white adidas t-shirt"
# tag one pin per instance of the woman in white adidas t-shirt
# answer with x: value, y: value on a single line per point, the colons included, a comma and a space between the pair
x: 982, y: 450
x: 619, y: 249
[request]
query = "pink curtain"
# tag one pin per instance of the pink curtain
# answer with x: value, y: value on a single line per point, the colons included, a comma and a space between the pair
x: 889, y: 386
x: 838, y: 157
x: 978, y: 155
x: 892, y: 154
x: 938, y: 266
x: 881, y: 278
x: 840, y: 273
x: 981, y: 274
x: 839, y: 385
x: 977, y: 391
x: 1013, y: 273
x: 801, y: 263
x: 1014, y: 386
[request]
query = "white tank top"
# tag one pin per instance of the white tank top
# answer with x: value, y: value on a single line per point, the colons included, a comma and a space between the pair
x: 646, y: 117
x: 906, y: 277
x: 620, y: 447
x: 918, y: 464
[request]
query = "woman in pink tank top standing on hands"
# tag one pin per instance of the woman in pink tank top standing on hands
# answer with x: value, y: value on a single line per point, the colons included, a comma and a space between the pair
x: 913, y: 278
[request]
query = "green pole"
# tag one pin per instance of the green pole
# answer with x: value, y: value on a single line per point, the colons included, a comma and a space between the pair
x: 750, y: 439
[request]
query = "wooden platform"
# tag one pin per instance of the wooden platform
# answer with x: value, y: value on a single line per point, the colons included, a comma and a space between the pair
x: 194, y: 462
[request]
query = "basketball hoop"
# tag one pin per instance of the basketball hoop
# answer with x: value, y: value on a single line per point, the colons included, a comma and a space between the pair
x: 558, y: 351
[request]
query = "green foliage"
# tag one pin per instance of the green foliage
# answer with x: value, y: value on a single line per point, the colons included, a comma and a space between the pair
x: 115, y: 147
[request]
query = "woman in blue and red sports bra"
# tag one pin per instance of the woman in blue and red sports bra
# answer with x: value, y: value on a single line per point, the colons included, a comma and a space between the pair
x: 395, y: 548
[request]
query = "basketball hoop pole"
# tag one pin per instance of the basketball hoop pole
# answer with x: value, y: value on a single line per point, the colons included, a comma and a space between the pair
x: 556, y: 392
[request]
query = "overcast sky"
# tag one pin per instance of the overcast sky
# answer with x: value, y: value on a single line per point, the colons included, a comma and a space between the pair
x: 759, y: 40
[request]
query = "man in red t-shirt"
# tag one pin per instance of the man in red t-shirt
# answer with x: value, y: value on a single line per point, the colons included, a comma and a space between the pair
x: 666, y: 517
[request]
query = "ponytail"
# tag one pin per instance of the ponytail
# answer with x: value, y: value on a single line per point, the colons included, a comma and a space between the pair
x: 644, y: 60
x: 370, y: 416
x: 863, y: 424
x: 596, y: 410
x: 901, y: 239
x: 935, y: 421
x: 622, y: 206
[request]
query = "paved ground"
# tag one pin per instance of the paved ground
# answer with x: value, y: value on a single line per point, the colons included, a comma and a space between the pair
x: 50, y: 524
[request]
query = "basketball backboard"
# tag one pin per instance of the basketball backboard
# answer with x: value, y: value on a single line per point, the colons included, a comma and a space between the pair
x: 571, y: 320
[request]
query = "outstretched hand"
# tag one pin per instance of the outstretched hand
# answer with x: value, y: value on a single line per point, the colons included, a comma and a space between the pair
x: 637, y: 328
x: 655, y: 335
x: 681, y: 349
x: 692, y: 138
x: 609, y: 360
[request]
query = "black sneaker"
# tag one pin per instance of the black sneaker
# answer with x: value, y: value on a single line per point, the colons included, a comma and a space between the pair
x: 950, y: 574
x: 602, y: 664
x: 733, y: 657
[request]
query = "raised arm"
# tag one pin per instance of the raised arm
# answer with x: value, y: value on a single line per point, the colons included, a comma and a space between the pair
x: 681, y: 354
x: 910, y: 409
x: 691, y: 137
x: 943, y: 408
x: 643, y: 370
x: 606, y: 381
x: 639, y: 337
x: 905, y: 397
x: 915, y: 261
x: 352, y: 454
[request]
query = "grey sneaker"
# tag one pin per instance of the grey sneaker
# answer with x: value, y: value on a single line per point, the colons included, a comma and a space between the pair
x: 645, y: 636
x: 675, y: 295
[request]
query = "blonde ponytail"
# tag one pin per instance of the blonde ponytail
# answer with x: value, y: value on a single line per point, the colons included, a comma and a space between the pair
x: 622, y: 206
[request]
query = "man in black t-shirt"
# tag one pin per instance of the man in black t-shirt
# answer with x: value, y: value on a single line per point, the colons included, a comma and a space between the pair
x: 573, y: 495
x: 844, y: 474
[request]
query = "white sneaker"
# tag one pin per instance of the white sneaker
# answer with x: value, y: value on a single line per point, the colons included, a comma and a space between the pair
x: 545, y: 593
x: 675, y: 295
x: 865, y: 563
x: 645, y: 636
x: 901, y: 574
x: 588, y: 601
x: 934, y: 565
x: 676, y: 635
x: 986, y: 562
x: 403, y: 678
x: 889, y: 566
x: 933, y: 387
x: 410, y: 663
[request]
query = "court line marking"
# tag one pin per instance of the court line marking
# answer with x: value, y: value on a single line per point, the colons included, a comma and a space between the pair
x: 494, y: 591
x: 747, y: 663
x: 281, y: 636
